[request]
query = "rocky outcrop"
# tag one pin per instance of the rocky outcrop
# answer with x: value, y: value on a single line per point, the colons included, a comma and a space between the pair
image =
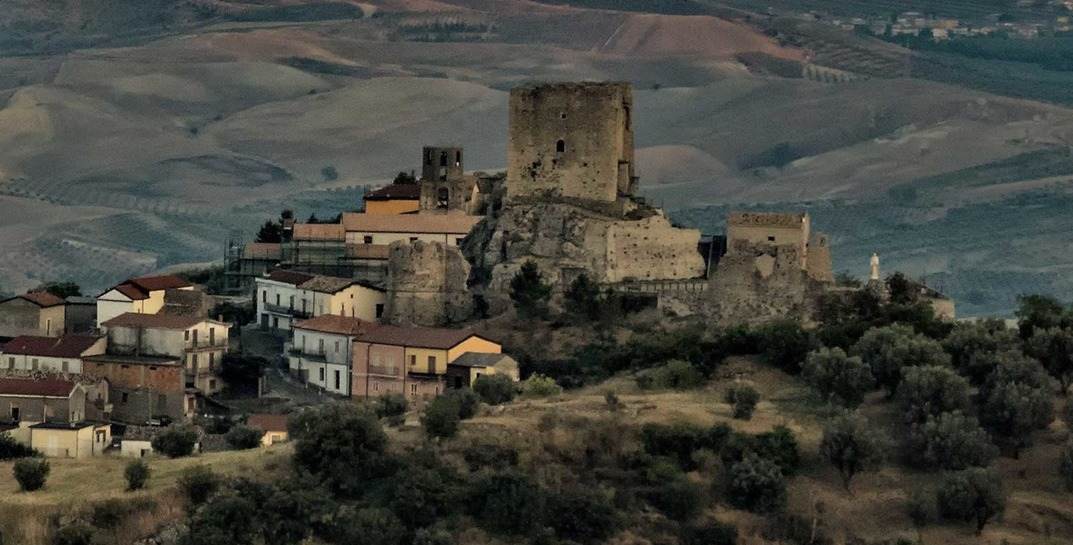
x: 427, y: 284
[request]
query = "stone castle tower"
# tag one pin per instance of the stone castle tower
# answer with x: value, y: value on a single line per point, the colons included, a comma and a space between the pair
x: 445, y: 186
x: 571, y: 140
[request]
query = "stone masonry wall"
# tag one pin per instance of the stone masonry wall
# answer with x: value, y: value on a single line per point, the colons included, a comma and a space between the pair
x: 571, y: 140
x: 427, y: 284
x: 760, y: 283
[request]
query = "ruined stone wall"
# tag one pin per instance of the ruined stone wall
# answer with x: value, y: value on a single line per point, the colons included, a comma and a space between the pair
x: 565, y: 240
x: 427, y: 284
x: 571, y: 140
x: 760, y: 283
x: 818, y: 263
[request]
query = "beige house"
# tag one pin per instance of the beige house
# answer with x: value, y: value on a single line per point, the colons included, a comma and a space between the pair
x: 26, y: 354
x: 274, y: 427
x: 144, y: 295
x: 200, y: 342
x: 35, y: 313
x: 467, y: 368
x: 285, y: 297
x: 383, y: 229
x: 70, y: 439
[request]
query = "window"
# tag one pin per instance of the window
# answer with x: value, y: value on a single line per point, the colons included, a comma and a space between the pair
x: 212, y: 384
x: 413, y: 389
x: 771, y: 238
x: 458, y: 241
x: 212, y: 335
x: 193, y: 360
x: 124, y: 366
x: 413, y: 239
x: 431, y: 364
x: 321, y: 374
x: 413, y: 361
x: 186, y: 335
x: 443, y: 197
x: 195, y: 337
x: 48, y: 327
x: 368, y: 239
x: 379, y: 310
x: 560, y: 146
x: 458, y: 158
x: 336, y: 347
x: 264, y: 296
x: 152, y: 368
x: 11, y: 363
x: 376, y: 386
x: 15, y: 414
x: 337, y: 380
x: 124, y: 397
x: 33, y: 364
x: 320, y: 346
x: 292, y: 302
x: 212, y: 360
x: 65, y: 367
x: 443, y: 159
x: 277, y: 299
x: 562, y: 115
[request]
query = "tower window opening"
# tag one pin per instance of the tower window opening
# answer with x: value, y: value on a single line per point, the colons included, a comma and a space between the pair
x: 458, y: 158
x: 443, y: 159
x: 443, y: 196
x: 560, y: 146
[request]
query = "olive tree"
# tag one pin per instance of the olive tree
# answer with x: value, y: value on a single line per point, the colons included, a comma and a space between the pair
x: 951, y: 440
x: 840, y: 379
x: 972, y: 495
x: 887, y: 350
x: 851, y: 445
x: 930, y: 391
x: 1053, y: 347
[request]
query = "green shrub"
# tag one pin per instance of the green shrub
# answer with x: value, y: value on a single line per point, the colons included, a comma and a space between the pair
x: 974, y: 494
x: 424, y: 492
x: 390, y: 405
x: 677, y: 441
x: 490, y: 455
x: 441, y: 417
x: 73, y: 534
x: 930, y: 391
x: 175, y: 442
x: 198, y: 484
x: 780, y: 446
x: 109, y: 514
x: 785, y: 344
x: 970, y: 346
x: 839, y: 378
x: 888, y: 350
x: 494, y: 389
x: 11, y: 449
x: 468, y: 402
x: 136, y: 473
x: 949, y: 441
x: 529, y: 292
x: 675, y: 375
x: 744, y: 399
x: 244, y: 437
x: 710, y: 532
x: 678, y: 498
x: 224, y: 519
x: 540, y: 386
x: 851, y: 445
x: 508, y: 502
x: 923, y: 510
x: 31, y: 473
x: 756, y: 485
x: 1065, y: 465
x: 581, y: 514
x: 341, y: 444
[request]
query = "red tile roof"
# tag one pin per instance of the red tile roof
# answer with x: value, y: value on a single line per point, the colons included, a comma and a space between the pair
x: 156, y: 321
x: 68, y: 346
x: 36, y: 388
x: 268, y: 422
x: 42, y: 298
x: 330, y: 323
x: 162, y: 282
x: 393, y: 192
x: 289, y: 277
x: 418, y: 337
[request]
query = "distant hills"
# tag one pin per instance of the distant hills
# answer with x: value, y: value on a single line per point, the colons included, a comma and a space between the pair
x: 136, y: 136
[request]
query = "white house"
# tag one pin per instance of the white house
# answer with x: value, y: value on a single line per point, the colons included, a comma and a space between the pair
x: 26, y: 354
x: 285, y: 297
x: 200, y: 342
x: 144, y: 295
x: 320, y: 353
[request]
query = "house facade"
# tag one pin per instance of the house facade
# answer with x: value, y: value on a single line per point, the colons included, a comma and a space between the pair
x: 467, y: 368
x: 144, y: 388
x: 412, y: 361
x: 382, y: 229
x: 32, y: 401
x: 320, y: 352
x: 25, y: 355
x: 274, y: 427
x: 286, y: 297
x: 143, y: 295
x: 70, y: 439
x: 199, y: 342
x: 393, y: 199
x: 36, y: 313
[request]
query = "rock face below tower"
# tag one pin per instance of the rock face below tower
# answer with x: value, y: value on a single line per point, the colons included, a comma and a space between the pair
x: 427, y: 284
x: 565, y: 241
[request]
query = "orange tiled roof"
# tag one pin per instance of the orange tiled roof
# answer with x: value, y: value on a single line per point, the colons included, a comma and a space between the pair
x: 68, y: 346
x: 452, y: 224
x: 319, y: 231
x: 36, y: 387
x: 419, y: 337
x: 331, y: 323
x: 268, y: 422
x: 42, y: 298
x: 156, y: 321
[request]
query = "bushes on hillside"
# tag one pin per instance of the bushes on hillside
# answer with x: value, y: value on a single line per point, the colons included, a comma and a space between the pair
x: 198, y: 483
x: 785, y: 344
x: 971, y: 346
x: 839, y: 378
x: 73, y: 534
x: 507, y: 501
x: 136, y: 474
x: 494, y: 389
x: 889, y: 350
x: 468, y: 402
x: 11, y: 449
x: 341, y: 444
x: 441, y: 417
x: 950, y: 440
x: 743, y: 398
x: 539, y: 385
x: 243, y: 437
x: 581, y: 514
x: 851, y: 445
x: 390, y: 405
x: 368, y: 526
x: 175, y: 442
x: 756, y: 484
x: 530, y: 292
x: 674, y: 375
x: 1016, y: 399
x: 930, y: 391
x: 973, y: 495
x: 31, y: 473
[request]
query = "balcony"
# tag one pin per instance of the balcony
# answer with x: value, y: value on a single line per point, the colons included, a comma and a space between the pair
x: 287, y: 311
x: 384, y: 370
x: 199, y: 346
x: 308, y: 355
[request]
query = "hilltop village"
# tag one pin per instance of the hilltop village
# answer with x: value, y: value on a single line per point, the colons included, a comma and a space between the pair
x: 390, y: 300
